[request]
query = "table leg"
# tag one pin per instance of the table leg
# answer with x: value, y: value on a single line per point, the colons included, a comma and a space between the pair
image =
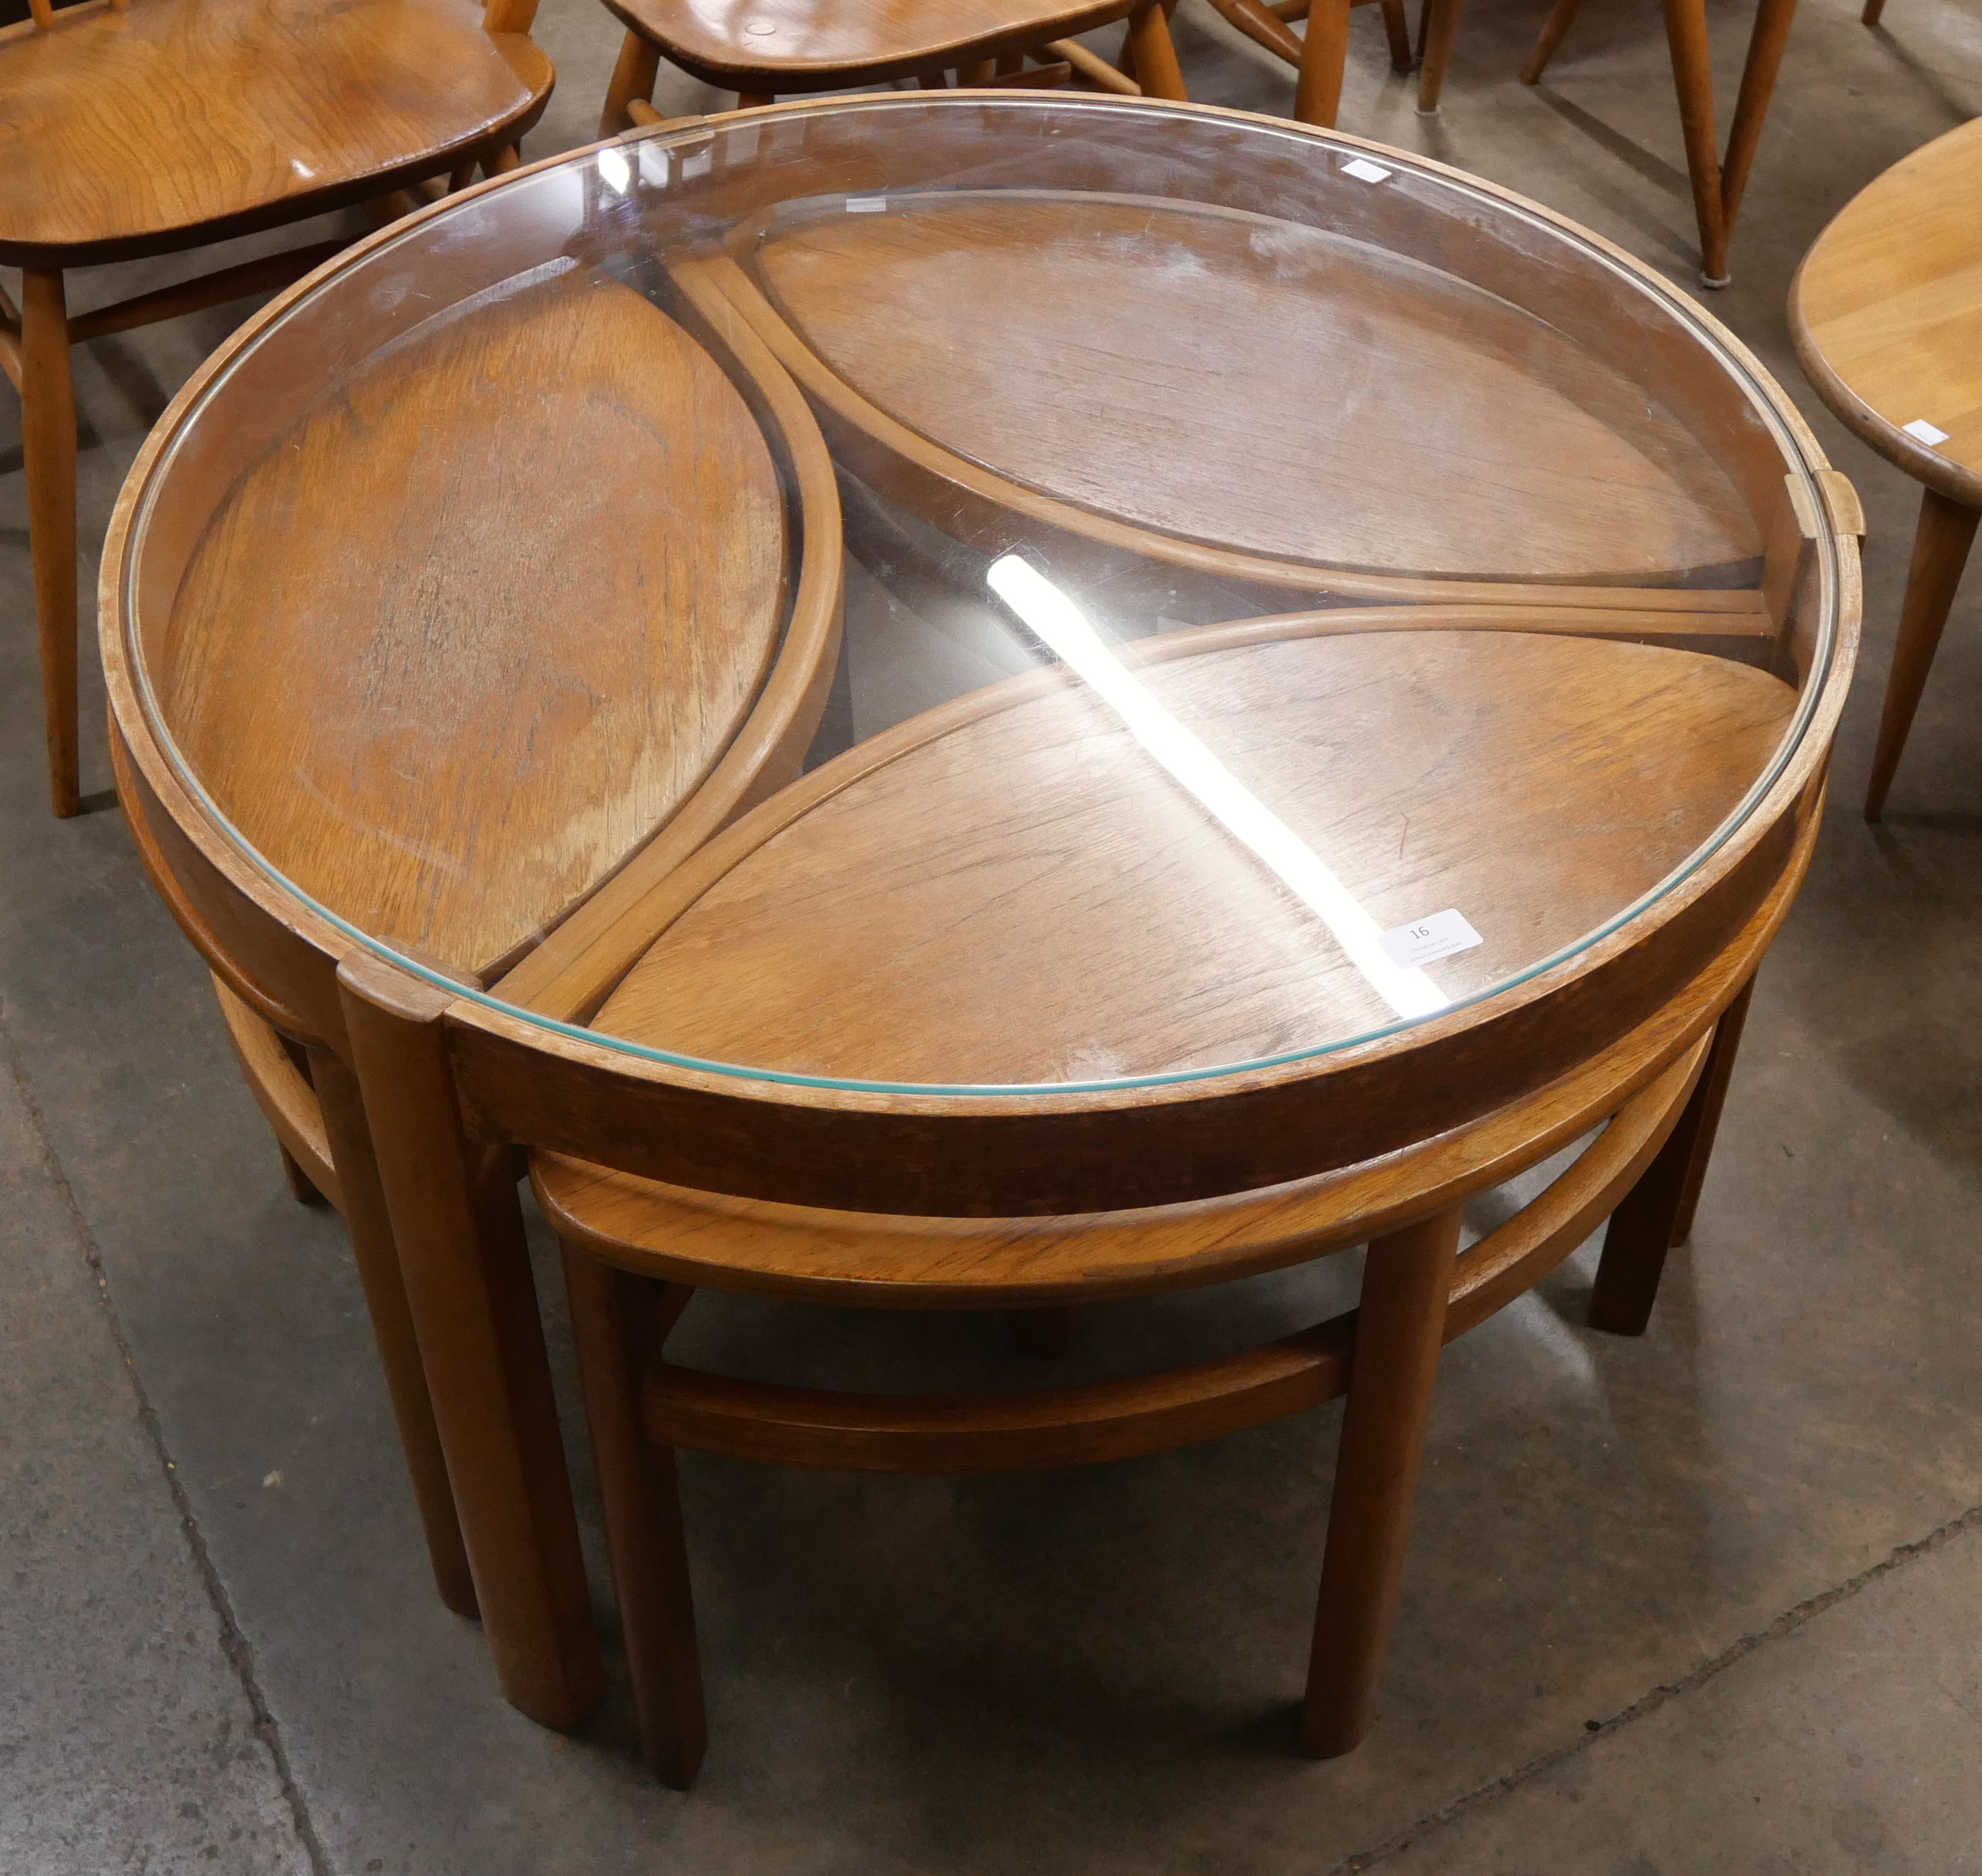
x: 1324, y: 57
x: 1941, y: 542
x: 1399, y: 1327
x: 458, y: 1228
x: 1439, y: 24
x: 1657, y: 1212
x: 48, y: 442
x: 377, y: 1257
x: 1766, y: 41
x: 1692, y: 77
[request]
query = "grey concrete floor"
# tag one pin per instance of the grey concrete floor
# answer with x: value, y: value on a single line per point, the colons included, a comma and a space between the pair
x: 1711, y: 1601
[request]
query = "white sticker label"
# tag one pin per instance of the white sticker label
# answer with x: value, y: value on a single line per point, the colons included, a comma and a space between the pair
x: 866, y: 205
x: 695, y: 165
x: 1365, y: 171
x: 1425, y: 941
x: 1924, y: 432
x: 653, y: 166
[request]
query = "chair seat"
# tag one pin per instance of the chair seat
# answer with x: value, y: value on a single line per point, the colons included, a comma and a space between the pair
x: 790, y: 45
x: 177, y: 121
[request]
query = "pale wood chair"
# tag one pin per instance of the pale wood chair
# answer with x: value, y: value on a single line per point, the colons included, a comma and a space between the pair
x: 783, y: 47
x: 146, y: 127
x: 1718, y: 180
x: 1320, y: 56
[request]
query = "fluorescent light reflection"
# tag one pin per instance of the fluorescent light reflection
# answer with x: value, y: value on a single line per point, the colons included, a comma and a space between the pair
x: 1063, y: 628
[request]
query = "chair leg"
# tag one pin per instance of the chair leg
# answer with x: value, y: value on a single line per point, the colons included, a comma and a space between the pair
x: 377, y: 1256
x: 1692, y: 79
x: 455, y: 1219
x: 1766, y: 42
x: 755, y: 100
x: 1324, y: 57
x: 1262, y: 28
x: 1441, y: 28
x: 613, y: 1318
x: 47, y: 426
x: 1555, y: 29
x: 500, y: 162
x: 1941, y: 542
x: 633, y: 76
x: 1156, y: 67
x: 1406, y: 1282
x: 1397, y: 30
x: 1873, y: 9
x: 1657, y: 1212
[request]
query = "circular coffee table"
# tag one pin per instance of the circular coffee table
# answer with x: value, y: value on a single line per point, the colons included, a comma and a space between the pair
x: 1887, y: 311
x: 1338, y: 669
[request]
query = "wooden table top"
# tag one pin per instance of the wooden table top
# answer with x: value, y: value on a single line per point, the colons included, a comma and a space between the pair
x: 1887, y: 311
x: 1247, y: 559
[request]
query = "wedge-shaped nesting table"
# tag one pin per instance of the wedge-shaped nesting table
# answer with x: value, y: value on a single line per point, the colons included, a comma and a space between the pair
x: 1338, y: 671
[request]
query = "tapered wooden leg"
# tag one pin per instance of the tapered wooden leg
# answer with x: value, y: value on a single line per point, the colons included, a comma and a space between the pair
x: 1156, y: 67
x: 377, y: 1257
x: 1441, y: 28
x: 1657, y: 1212
x: 455, y: 1220
x: 1555, y: 28
x: 1873, y: 9
x: 47, y: 428
x: 1766, y: 40
x: 1692, y: 79
x: 1406, y: 1281
x: 499, y: 162
x: 612, y: 1322
x: 1941, y: 542
x: 1397, y: 30
x: 755, y: 100
x: 1045, y: 1335
x: 1324, y: 58
x: 633, y: 75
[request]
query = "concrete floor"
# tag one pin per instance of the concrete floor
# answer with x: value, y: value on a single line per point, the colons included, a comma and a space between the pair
x: 1711, y: 1601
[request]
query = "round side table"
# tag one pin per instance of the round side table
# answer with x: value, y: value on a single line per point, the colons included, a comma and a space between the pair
x: 1887, y: 311
x: 1338, y: 670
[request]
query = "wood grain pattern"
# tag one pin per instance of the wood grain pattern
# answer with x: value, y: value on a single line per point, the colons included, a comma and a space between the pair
x: 899, y: 930
x: 541, y: 581
x: 778, y: 46
x: 139, y: 129
x: 1886, y: 313
x: 1256, y: 383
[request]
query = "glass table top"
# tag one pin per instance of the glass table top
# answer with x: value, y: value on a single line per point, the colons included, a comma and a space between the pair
x: 981, y: 592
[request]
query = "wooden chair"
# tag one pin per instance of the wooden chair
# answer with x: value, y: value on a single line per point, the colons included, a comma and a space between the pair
x: 561, y: 402
x: 782, y: 47
x: 146, y: 127
x: 1320, y: 56
x: 636, y: 1249
x: 1719, y: 181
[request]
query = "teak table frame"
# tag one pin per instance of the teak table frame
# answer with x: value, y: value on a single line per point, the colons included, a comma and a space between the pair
x: 454, y: 1083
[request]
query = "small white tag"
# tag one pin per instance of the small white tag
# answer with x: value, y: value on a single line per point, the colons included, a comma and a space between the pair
x: 653, y: 166
x: 866, y: 205
x: 695, y: 165
x: 1923, y: 432
x: 1365, y: 171
x: 1425, y: 941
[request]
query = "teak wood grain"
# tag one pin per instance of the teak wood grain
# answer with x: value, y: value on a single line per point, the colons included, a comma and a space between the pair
x: 1258, y: 385
x: 1886, y: 310
x: 896, y: 929
x: 556, y: 539
x: 777, y: 46
x: 142, y: 128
